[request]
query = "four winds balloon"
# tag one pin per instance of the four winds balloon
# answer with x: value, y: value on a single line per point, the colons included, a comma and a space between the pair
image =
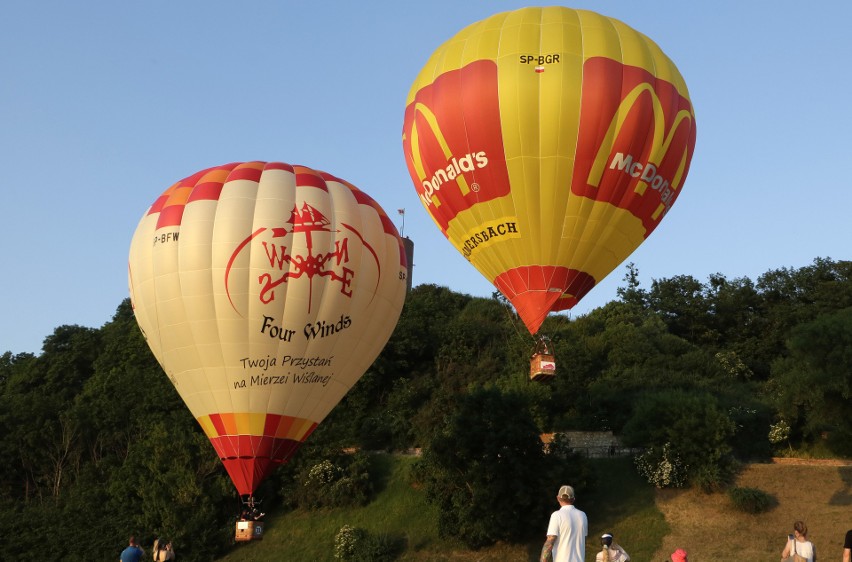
x: 265, y: 290
x: 547, y: 144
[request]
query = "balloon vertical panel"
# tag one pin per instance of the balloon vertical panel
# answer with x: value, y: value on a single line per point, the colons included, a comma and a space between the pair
x: 581, y: 131
x: 267, y: 292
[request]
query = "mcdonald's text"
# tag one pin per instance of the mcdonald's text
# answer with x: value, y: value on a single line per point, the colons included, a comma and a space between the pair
x: 455, y: 167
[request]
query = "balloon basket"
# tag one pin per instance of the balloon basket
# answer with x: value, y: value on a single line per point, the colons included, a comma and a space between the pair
x: 542, y: 367
x: 249, y: 531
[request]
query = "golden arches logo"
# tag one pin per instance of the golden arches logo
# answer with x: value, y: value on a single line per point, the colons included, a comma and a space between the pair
x: 453, y: 169
x: 661, y: 144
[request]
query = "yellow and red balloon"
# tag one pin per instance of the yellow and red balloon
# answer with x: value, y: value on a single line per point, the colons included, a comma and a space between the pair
x: 265, y: 291
x: 547, y: 144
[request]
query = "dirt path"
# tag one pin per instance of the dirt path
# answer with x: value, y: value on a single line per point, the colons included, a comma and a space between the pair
x: 810, y: 462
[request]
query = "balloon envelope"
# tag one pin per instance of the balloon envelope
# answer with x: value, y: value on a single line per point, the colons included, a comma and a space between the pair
x: 547, y: 144
x: 265, y: 291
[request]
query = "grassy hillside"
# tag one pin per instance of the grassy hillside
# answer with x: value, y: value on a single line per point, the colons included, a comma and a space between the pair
x: 650, y: 524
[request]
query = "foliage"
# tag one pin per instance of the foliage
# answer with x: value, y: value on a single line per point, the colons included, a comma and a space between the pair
x: 713, y: 368
x: 355, y: 544
x: 688, y: 427
x: 345, y: 482
x: 814, y: 382
x: 487, y: 472
x: 662, y: 467
x: 750, y: 500
x: 97, y: 429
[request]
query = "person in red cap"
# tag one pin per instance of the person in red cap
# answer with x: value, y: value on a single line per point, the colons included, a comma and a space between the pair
x: 679, y: 555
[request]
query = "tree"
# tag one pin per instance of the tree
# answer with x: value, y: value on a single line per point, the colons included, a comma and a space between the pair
x: 487, y: 472
x: 633, y: 293
x: 691, y: 425
x: 814, y: 384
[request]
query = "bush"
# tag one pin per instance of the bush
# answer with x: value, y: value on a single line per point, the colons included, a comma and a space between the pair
x: 750, y: 500
x: 713, y: 478
x: 354, y: 544
x: 683, y: 431
x: 662, y: 467
x: 343, y: 483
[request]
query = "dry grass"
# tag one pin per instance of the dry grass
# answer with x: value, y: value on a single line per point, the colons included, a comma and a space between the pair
x: 710, y: 529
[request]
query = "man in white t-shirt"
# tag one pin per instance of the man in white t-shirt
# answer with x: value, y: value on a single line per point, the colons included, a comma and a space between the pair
x: 566, y: 532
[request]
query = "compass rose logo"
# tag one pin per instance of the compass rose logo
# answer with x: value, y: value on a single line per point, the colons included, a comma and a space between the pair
x: 287, y: 267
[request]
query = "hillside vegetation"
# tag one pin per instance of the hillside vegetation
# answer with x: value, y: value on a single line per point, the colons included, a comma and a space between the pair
x: 649, y: 523
x: 700, y: 376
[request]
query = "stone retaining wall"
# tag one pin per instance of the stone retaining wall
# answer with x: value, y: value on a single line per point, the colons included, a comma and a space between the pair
x: 593, y: 444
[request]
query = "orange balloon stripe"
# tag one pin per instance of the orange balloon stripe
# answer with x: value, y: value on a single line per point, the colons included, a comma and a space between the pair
x: 251, y: 423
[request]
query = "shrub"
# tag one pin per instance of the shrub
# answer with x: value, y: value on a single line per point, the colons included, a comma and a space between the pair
x: 354, y: 544
x: 684, y: 433
x: 662, y: 467
x: 714, y: 477
x: 750, y: 500
x: 327, y: 484
x: 348, y: 541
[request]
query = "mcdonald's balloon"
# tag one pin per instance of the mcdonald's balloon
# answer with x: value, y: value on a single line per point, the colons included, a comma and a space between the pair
x: 265, y: 291
x: 547, y: 144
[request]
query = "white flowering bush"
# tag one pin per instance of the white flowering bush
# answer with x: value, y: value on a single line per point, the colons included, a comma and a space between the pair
x: 335, y: 484
x: 354, y: 544
x: 323, y: 473
x: 779, y: 432
x: 347, y: 541
x: 662, y: 467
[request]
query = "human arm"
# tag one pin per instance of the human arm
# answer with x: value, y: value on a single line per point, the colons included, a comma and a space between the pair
x: 847, y: 547
x: 547, y: 549
x: 787, y: 549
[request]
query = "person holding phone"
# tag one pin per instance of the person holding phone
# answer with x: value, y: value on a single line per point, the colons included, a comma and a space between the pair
x: 798, y: 547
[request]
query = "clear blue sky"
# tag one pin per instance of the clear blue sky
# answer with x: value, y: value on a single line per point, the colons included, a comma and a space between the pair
x: 105, y: 104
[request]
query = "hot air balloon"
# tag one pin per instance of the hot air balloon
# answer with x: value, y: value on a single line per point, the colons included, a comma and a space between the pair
x: 265, y: 291
x: 547, y: 144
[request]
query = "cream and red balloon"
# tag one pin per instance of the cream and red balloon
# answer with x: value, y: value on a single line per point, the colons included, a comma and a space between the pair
x: 265, y: 290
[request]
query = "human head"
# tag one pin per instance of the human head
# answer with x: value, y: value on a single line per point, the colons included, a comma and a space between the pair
x: 679, y: 555
x: 606, y: 539
x: 566, y: 494
x: 132, y: 541
x: 801, y: 528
